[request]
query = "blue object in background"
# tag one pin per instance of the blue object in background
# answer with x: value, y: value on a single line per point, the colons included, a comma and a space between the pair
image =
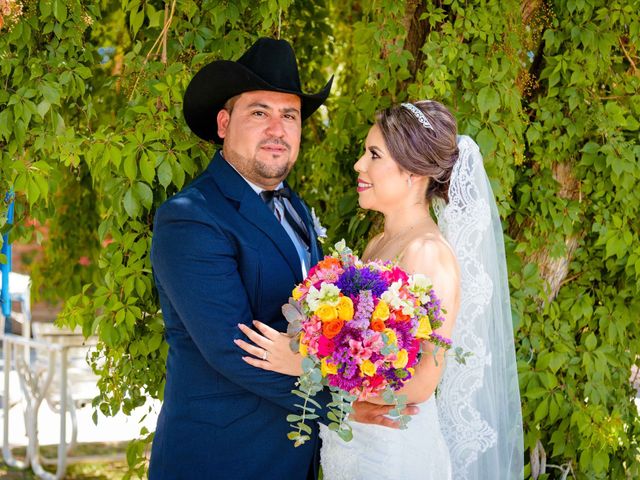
x: 6, y: 268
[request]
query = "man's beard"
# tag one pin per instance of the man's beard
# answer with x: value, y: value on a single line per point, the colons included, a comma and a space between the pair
x: 266, y: 170
x: 255, y: 168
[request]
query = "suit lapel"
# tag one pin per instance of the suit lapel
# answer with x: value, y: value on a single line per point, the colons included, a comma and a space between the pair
x: 254, y: 210
x: 303, y: 213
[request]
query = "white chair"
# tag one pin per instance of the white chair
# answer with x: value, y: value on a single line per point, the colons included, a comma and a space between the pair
x: 60, y: 376
x: 20, y: 291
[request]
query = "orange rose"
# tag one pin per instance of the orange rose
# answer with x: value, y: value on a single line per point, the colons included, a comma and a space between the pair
x: 401, y: 317
x: 377, y: 324
x: 328, y: 262
x: 331, y: 329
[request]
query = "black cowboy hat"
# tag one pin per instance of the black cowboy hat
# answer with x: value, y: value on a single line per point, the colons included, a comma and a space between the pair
x: 268, y: 65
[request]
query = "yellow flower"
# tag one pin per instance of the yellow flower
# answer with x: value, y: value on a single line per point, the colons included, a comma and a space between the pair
x: 327, y: 313
x: 327, y: 368
x: 424, y: 328
x: 382, y: 311
x: 297, y: 293
x: 401, y: 359
x: 345, y: 309
x: 391, y: 335
x: 303, y: 349
x: 411, y: 370
x: 368, y: 368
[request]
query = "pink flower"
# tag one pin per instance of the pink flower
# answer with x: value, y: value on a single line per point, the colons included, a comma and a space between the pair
x: 413, y: 352
x: 373, y: 342
x: 326, y: 346
x: 395, y: 274
x: 358, y: 351
x: 84, y: 261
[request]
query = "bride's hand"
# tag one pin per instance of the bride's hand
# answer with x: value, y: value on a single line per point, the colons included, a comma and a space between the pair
x: 271, y: 350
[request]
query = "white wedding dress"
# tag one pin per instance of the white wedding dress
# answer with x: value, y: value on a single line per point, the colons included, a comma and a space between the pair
x: 472, y: 428
x: 375, y: 452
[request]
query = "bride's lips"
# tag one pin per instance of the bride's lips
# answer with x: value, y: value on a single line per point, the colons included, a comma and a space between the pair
x: 362, y: 185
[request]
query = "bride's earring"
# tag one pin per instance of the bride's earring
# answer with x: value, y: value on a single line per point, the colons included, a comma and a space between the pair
x: 409, y: 181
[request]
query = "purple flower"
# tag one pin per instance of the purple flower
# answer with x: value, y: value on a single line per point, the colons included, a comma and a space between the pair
x: 441, y: 341
x: 364, y: 309
x: 344, y: 383
x: 353, y: 280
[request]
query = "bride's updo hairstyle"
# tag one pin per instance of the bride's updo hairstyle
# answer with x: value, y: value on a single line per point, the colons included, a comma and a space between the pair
x: 421, y: 137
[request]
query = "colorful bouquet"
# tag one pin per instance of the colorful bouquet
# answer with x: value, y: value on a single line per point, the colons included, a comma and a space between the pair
x: 359, y: 327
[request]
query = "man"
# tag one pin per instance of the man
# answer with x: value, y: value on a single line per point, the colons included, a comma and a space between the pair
x: 225, y: 252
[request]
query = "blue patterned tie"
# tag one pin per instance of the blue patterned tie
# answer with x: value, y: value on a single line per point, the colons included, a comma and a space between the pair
x: 268, y: 197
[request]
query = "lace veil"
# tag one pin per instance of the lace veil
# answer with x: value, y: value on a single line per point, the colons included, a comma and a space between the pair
x: 479, y: 403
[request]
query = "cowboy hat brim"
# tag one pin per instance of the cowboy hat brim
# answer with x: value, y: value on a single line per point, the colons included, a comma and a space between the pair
x: 220, y: 80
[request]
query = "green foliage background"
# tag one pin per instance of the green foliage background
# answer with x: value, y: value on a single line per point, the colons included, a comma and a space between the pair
x: 93, y: 145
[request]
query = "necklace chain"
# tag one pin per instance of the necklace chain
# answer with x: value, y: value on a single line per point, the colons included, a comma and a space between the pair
x: 384, y: 242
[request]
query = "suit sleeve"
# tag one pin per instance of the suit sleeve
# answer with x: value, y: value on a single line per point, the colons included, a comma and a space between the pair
x: 195, y: 264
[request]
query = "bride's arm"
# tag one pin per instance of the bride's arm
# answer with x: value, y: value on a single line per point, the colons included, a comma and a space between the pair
x: 280, y: 358
x: 434, y: 259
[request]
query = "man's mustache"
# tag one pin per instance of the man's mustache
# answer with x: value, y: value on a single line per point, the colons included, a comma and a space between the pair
x: 274, y: 141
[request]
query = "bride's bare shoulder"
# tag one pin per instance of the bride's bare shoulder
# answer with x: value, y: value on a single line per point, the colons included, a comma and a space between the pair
x: 430, y: 254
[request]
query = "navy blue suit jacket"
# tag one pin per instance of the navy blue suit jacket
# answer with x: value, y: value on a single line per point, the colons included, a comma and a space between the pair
x: 220, y: 257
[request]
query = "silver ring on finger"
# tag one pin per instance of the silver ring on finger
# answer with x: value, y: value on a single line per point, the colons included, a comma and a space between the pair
x: 264, y: 355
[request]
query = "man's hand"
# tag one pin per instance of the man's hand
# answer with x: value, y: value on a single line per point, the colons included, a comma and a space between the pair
x: 365, y: 412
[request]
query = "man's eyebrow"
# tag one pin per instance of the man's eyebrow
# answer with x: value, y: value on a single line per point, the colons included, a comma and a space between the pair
x: 267, y: 107
x: 260, y: 105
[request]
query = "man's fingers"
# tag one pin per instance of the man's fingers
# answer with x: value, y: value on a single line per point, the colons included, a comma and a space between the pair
x: 255, y: 337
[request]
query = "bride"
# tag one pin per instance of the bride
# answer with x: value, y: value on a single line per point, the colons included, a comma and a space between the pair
x: 469, y: 423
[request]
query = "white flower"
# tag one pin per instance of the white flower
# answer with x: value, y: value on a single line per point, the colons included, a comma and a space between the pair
x: 394, y: 300
x: 392, y: 295
x: 321, y: 232
x: 327, y: 295
x: 420, y: 286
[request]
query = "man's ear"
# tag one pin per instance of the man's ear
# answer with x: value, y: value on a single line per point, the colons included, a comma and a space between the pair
x: 223, y: 122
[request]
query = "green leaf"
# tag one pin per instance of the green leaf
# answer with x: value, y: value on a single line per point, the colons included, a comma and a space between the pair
x: 51, y: 94
x: 130, y: 167
x: 43, y: 108
x: 136, y: 18
x: 59, y: 10
x: 488, y: 100
x: 486, y: 141
x: 165, y: 173
x: 131, y: 204
x: 541, y: 410
x: 147, y: 168
x: 304, y: 427
x: 154, y: 343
